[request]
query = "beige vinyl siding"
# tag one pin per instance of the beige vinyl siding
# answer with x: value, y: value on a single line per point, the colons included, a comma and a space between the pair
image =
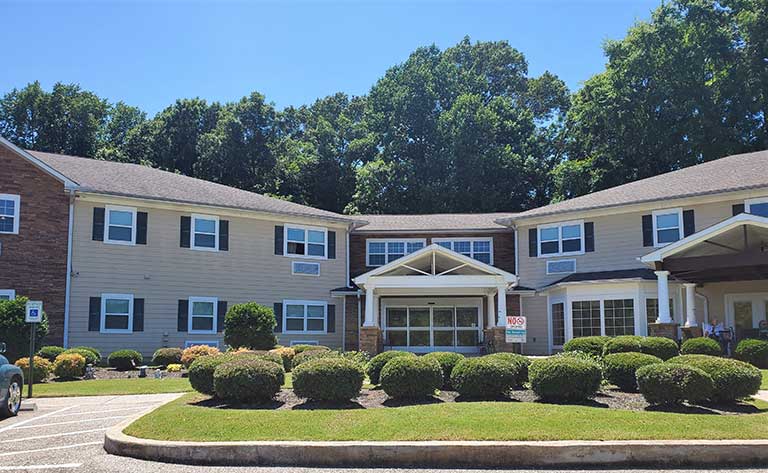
x: 716, y: 292
x: 162, y: 272
x: 534, y: 308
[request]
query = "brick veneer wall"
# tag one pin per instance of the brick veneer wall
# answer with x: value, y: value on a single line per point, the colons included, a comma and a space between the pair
x: 34, y: 262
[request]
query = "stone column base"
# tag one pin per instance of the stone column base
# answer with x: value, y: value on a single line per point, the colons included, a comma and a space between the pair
x: 663, y: 330
x: 370, y: 340
x: 692, y: 332
x: 495, y: 341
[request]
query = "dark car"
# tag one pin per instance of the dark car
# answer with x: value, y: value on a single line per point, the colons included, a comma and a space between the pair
x: 11, y: 382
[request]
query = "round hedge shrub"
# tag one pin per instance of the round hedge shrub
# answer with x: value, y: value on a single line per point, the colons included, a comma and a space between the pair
x: 411, y: 377
x: 189, y: 355
x: 69, y: 366
x: 93, y: 350
x: 360, y: 357
x: 619, y: 368
x: 518, y: 364
x: 447, y: 361
x: 592, y: 345
x: 124, y: 360
x: 373, y: 369
x: 733, y: 379
x: 50, y: 352
x: 672, y: 383
x: 41, y: 370
x: 660, y: 347
x: 90, y: 357
x: 250, y: 325
x: 753, y: 351
x: 328, y: 379
x: 245, y: 379
x: 483, y: 378
x: 286, y: 354
x: 623, y: 344
x: 701, y: 346
x: 201, y: 371
x: 167, y: 356
x: 564, y: 378
x: 302, y: 348
x: 272, y: 358
x: 308, y: 355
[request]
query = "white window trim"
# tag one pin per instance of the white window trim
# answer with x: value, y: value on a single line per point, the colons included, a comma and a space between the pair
x: 472, y: 246
x: 656, y: 213
x: 749, y: 202
x: 405, y: 241
x: 210, y: 343
x: 11, y: 293
x: 294, y: 273
x: 304, y: 342
x: 306, y: 241
x: 103, y: 322
x: 560, y: 261
x: 286, y: 303
x: 17, y: 212
x: 190, y: 304
x: 132, y: 211
x: 559, y: 226
x: 192, y: 245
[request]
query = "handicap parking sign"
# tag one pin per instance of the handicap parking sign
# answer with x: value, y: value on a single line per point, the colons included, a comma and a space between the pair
x: 34, y: 312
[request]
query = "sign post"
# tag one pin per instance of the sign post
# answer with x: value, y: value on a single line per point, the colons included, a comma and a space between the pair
x: 516, y: 330
x: 33, y: 317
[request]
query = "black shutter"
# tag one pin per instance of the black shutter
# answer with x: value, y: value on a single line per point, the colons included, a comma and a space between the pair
x: 331, y: 245
x: 94, y: 314
x: 186, y: 225
x: 223, y: 235
x: 589, y: 236
x: 98, y: 224
x: 533, y: 242
x: 331, y: 324
x: 738, y: 209
x: 279, y: 239
x: 278, y: 309
x: 647, y: 230
x: 141, y: 228
x: 222, y: 308
x: 183, y: 318
x: 689, y: 223
x: 138, y: 315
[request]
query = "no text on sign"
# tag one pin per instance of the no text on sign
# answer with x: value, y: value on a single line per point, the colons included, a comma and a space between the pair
x: 34, y: 312
x: 516, y: 329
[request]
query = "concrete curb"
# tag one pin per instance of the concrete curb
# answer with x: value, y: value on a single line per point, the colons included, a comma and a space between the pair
x: 475, y: 454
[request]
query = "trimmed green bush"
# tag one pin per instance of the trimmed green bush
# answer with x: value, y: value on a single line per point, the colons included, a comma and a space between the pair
x: 660, y: 347
x: 672, y: 383
x: 517, y: 363
x: 753, y: 351
x: 484, y: 377
x: 250, y: 325
x: 190, y: 354
x: 373, y: 369
x: 308, y: 355
x: 14, y: 331
x: 50, y: 352
x: 564, y: 378
x: 592, y: 345
x: 619, y: 368
x: 328, y: 379
x: 302, y: 348
x: 623, y: 344
x: 411, y: 377
x: 287, y: 354
x: 701, y: 346
x: 447, y: 361
x: 733, y: 379
x: 69, y: 366
x: 125, y: 359
x: 360, y: 357
x: 41, y: 370
x: 167, y: 356
x: 201, y: 371
x: 93, y: 350
x: 245, y: 379
x: 90, y: 357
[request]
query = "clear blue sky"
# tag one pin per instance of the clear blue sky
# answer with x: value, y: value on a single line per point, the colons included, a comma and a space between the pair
x: 149, y: 54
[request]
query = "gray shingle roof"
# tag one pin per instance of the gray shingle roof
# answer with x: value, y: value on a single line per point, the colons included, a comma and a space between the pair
x: 638, y: 273
x: 431, y: 222
x: 133, y: 180
x: 732, y: 173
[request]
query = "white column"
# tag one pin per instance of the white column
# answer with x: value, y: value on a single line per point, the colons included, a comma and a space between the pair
x: 663, y: 297
x: 370, y: 320
x: 690, y: 304
x: 501, y: 317
x: 491, y: 313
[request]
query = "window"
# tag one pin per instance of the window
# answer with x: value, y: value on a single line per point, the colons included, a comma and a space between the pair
x: 116, y: 313
x: 586, y: 318
x: 652, y: 310
x: 210, y: 343
x: 304, y: 342
x: 7, y: 294
x: 619, y: 317
x: 302, y: 268
x: 304, y: 316
x: 381, y: 252
x: 305, y: 241
x: 423, y: 328
x: 561, y: 239
x: 667, y: 226
x: 202, y: 314
x: 558, y: 324
x: 561, y: 266
x: 121, y: 225
x: 755, y: 206
x: 205, y: 232
x: 480, y: 249
x: 9, y: 213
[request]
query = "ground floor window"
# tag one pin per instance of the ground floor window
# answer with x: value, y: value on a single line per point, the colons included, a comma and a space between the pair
x: 558, y: 324
x: 116, y: 313
x: 652, y: 310
x: 305, y: 316
x: 202, y: 314
x: 7, y: 294
x: 609, y: 317
x: 619, y: 317
x: 428, y: 327
x: 586, y: 318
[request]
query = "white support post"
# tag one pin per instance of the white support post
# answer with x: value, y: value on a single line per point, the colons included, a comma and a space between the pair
x: 491, y: 313
x: 369, y: 308
x: 663, y: 297
x: 501, y: 318
x: 690, y: 304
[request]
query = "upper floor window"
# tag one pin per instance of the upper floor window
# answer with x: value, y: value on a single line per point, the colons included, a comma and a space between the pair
x: 202, y: 314
x: 565, y: 238
x: 9, y: 213
x: 121, y: 225
x: 305, y: 316
x: 305, y: 241
x: 667, y: 226
x: 757, y: 206
x: 116, y: 313
x: 381, y: 252
x: 480, y: 249
x: 205, y: 232
x: 7, y: 294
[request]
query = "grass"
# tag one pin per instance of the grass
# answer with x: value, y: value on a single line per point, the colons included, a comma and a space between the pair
x: 181, y: 420
x: 765, y: 379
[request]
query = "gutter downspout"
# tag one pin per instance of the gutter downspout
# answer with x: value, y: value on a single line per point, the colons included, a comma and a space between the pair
x: 706, y: 305
x: 68, y: 283
x: 349, y: 230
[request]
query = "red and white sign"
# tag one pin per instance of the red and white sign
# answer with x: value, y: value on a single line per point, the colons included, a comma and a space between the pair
x: 516, y: 330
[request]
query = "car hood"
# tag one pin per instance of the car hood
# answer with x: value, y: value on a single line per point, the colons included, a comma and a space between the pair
x: 3, y: 360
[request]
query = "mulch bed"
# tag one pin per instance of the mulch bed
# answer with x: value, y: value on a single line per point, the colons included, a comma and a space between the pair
x: 111, y: 373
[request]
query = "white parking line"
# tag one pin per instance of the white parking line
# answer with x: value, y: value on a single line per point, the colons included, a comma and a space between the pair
x: 101, y: 442
x: 101, y: 411
x: 40, y: 467
x: 17, y: 424
x: 71, y: 422
x: 38, y: 437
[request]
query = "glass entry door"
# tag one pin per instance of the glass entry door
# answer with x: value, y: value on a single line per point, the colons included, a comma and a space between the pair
x: 433, y: 328
x: 745, y: 312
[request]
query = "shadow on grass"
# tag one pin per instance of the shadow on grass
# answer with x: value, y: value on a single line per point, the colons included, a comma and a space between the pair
x: 327, y: 405
x: 708, y: 408
x: 411, y: 402
x: 585, y: 402
x: 214, y: 403
x: 499, y: 398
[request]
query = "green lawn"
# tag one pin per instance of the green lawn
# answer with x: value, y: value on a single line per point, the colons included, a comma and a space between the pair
x: 765, y: 379
x: 179, y: 420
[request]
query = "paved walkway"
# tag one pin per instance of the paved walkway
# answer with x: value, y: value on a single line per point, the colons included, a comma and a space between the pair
x: 762, y: 395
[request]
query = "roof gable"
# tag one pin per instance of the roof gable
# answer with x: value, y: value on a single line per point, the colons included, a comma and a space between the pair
x: 40, y: 164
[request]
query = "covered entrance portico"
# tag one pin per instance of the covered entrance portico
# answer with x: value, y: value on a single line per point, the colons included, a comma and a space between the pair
x: 433, y: 300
